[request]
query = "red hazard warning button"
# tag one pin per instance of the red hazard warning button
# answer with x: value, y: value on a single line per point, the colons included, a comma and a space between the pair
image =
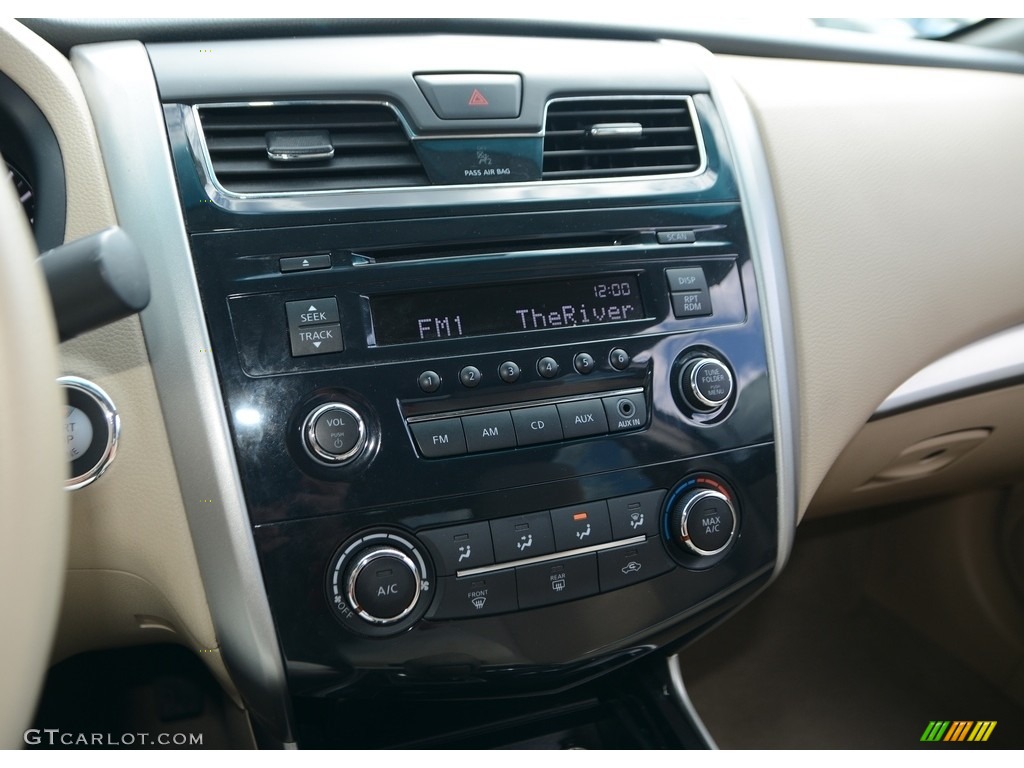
x: 472, y: 97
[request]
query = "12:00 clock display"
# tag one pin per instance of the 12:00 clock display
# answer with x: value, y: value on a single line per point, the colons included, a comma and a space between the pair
x: 510, y: 308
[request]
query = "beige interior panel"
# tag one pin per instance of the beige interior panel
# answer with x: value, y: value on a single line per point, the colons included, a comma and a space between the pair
x: 132, y: 520
x: 33, y: 509
x: 901, y: 223
x: 45, y: 75
x: 879, y: 444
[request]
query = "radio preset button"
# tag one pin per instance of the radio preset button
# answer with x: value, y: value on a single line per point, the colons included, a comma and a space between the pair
x: 489, y: 431
x: 583, y: 363
x: 518, y: 538
x: 429, y: 382
x: 582, y: 418
x: 619, y: 359
x: 557, y: 581
x: 635, y: 515
x: 625, y: 412
x: 537, y: 425
x: 508, y: 372
x: 547, y: 367
x: 443, y: 437
x: 581, y: 525
x: 469, y: 376
x: 459, y: 547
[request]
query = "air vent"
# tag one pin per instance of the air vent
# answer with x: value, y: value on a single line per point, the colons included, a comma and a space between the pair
x: 606, y: 137
x: 370, y: 148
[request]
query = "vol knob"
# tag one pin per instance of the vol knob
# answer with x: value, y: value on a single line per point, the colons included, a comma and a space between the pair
x: 706, y: 384
x: 382, y: 585
x: 703, y: 521
x: 334, y: 434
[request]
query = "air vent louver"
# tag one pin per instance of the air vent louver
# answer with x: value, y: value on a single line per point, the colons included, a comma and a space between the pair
x: 371, y: 148
x: 607, y: 137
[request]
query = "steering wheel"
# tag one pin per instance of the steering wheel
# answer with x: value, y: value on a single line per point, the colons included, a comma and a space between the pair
x: 33, y: 503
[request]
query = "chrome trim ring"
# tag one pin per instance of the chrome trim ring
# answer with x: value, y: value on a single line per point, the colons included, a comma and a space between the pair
x: 685, y: 535
x: 360, y: 565
x: 111, y: 419
x: 317, y: 451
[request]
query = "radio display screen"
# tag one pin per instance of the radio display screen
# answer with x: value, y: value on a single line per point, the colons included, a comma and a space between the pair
x: 508, y: 308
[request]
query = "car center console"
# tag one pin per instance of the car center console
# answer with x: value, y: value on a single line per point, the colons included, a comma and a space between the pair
x: 493, y: 329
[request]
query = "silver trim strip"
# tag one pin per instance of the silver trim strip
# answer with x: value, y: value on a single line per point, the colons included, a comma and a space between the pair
x: 553, y: 556
x: 119, y: 86
x: 520, y: 406
x: 761, y: 218
x: 113, y: 422
x: 998, y: 358
x: 337, y: 198
x: 679, y: 689
x: 616, y: 130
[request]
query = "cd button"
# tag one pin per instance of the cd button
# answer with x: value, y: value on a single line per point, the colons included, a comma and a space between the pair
x: 429, y: 382
x: 583, y: 418
x: 509, y: 372
x: 443, y: 437
x: 489, y: 431
x: 547, y: 367
x: 557, y: 581
x: 517, y: 538
x: 537, y: 425
x: 460, y: 547
x: 469, y: 376
x: 581, y: 525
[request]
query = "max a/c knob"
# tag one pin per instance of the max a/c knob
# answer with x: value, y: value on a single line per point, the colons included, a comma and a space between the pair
x: 382, y: 585
x: 706, y: 384
x: 703, y: 521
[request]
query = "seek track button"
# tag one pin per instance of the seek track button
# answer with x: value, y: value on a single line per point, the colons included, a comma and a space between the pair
x: 316, y: 340
x: 312, y: 312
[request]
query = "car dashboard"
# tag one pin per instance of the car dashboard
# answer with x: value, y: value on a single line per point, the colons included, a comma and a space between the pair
x: 484, y: 368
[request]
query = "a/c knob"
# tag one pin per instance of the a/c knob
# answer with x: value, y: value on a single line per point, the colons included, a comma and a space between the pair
x: 382, y: 585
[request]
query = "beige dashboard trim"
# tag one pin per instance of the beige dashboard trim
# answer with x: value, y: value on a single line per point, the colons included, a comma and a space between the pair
x: 901, y: 222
